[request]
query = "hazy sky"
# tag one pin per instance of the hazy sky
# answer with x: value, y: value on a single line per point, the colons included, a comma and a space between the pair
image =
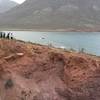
x: 18, y: 1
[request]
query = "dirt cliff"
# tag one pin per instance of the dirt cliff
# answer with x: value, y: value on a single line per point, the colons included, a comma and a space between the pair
x: 35, y: 72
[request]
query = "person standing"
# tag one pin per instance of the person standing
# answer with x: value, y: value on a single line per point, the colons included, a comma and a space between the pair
x: 8, y: 36
x: 11, y: 36
x: 4, y: 35
x: 0, y: 34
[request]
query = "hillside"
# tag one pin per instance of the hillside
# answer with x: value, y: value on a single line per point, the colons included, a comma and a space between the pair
x: 36, y: 72
x: 6, y: 5
x: 54, y: 14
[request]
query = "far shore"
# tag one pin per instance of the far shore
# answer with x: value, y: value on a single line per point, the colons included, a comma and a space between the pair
x: 52, y: 30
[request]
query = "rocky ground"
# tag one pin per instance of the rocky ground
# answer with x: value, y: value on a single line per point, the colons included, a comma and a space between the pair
x: 34, y: 72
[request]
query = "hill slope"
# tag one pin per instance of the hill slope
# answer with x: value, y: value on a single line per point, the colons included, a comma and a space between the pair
x: 35, y: 72
x: 54, y: 14
x: 6, y: 5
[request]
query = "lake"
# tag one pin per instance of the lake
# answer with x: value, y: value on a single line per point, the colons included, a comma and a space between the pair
x: 90, y: 41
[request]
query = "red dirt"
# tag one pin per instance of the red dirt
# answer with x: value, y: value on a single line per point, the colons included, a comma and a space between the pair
x: 44, y: 73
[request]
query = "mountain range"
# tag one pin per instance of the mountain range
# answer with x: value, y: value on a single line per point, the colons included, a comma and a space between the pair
x: 53, y: 15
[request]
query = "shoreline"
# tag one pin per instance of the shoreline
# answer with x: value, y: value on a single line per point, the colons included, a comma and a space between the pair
x: 51, y: 30
x: 62, y: 49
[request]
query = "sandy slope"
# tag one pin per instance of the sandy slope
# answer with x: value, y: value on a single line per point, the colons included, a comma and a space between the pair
x: 35, y: 72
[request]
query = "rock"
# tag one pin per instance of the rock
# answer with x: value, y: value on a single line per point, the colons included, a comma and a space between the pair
x: 14, y: 56
x: 9, y: 57
x: 20, y: 54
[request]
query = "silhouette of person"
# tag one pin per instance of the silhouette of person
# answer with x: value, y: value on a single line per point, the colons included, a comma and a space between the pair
x: 8, y: 36
x: 0, y: 34
x: 3, y: 35
x: 11, y: 36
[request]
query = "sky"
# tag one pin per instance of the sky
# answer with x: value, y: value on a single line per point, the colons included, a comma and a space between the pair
x: 18, y: 1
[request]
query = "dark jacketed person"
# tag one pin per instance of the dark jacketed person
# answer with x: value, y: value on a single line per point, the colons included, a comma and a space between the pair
x: 0, y: 34
x: 3, y: 35
x: 11, y: 35
x: 8, y: 36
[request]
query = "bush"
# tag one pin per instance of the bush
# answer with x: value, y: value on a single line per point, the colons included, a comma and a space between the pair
x: 9, y: 84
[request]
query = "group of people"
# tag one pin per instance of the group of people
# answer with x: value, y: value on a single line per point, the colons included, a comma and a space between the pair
x: 6, y: 35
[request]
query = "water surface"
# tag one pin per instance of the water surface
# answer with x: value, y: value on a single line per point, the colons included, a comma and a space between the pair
x: 90, y: 41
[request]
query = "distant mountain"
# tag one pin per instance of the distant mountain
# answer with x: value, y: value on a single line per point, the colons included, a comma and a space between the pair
x: 53, y: 14
x: 6, y: 5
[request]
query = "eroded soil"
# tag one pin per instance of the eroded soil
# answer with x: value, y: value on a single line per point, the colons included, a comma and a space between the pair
x: 34, y: 72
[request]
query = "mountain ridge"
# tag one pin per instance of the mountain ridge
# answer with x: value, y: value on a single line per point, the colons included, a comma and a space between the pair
x: 50, y: 14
